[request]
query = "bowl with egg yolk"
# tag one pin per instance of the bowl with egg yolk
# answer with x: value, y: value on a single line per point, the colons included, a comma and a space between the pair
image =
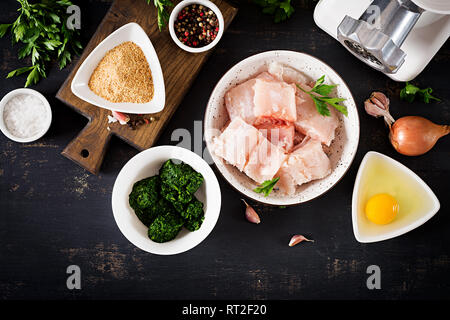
x: 389, y: 199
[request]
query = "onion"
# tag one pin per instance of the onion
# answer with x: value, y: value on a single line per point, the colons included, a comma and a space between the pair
x: 413, y: 136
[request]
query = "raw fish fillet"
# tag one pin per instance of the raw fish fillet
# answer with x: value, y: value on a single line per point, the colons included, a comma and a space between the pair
x: 313, y: 124
x: 264, y: 161
x: 287, y: 74
x: 274, y: 99
x: 236, y: 142
x: 239, y: 100
x: 308, y: 162
x: 266, y: 76
x: 278, y: 132
x: 286, y: 184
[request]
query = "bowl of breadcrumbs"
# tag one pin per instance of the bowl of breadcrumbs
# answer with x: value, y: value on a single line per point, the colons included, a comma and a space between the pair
x: 122, y: 74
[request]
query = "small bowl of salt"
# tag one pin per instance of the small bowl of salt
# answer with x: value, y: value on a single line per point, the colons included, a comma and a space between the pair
x: 25, y: 115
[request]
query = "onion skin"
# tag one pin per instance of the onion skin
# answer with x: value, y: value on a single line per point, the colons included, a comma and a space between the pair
x: 414, y: 136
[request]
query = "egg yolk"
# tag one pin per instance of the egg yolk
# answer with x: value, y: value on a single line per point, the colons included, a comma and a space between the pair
x: 382, y: 208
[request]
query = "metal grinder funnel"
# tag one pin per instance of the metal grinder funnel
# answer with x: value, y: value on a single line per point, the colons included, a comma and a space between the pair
x: 376, y: 37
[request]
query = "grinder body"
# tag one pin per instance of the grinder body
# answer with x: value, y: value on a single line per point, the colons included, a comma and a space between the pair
x: 376, y: 37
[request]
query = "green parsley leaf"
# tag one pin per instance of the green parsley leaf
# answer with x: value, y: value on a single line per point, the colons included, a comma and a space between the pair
x: 41, y: 28
x: 52, y: 44
x: 426, y: 95
x: 3, y: 29
x: 321, y: 106
x: 33, y: 77
x: 334, y: 102
x: 319, y: 93
x: 324, y: 89
x: 19, y: 32
x: 163, y: 14
x: 319, y: 82
x: 18, y: 72
x: 281, y: 10
x: 411, y: 92
x: 266, y: 187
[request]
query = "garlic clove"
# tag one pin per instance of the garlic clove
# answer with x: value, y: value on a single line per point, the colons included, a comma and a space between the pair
x: 380, y: 100
x: 378, y: 106
x: 297, y: 239
x: 372, y: 109
x: 250, y: 214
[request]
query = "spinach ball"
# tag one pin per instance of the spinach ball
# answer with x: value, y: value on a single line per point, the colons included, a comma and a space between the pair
x: 193, y: 215
x: 179, y: 182
x: 165, y: 227
x: 144, y: 198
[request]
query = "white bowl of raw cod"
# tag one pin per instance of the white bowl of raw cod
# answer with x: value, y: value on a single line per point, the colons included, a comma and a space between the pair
x: 129, y: 32
x: 146, y: 164
x: 342, y: 150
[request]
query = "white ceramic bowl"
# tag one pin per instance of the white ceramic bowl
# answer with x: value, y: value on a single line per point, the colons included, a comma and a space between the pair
x: 147, y: 164
x: 366, y: 231
x: 14, y: 93
x: 129, y: 32
x: 174, y: 15
x: 342, y: 150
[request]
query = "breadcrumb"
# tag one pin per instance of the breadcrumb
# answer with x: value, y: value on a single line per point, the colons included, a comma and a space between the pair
x: 123, y: 75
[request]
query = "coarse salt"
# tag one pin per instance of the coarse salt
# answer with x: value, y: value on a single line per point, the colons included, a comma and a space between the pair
x: 25, y: 116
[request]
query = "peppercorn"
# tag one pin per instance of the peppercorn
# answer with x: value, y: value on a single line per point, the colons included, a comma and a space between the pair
x: 196, y: 26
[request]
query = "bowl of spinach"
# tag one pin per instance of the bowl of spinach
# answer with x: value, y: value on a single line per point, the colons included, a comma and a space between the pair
x: 166, y: 200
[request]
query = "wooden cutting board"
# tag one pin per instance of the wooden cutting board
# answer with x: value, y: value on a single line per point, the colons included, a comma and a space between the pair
x: 179, y: 69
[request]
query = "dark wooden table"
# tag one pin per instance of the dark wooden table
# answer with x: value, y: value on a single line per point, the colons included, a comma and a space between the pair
x: 54, y: 214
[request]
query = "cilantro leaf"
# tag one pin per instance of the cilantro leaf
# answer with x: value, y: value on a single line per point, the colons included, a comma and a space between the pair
x: 267, y: 186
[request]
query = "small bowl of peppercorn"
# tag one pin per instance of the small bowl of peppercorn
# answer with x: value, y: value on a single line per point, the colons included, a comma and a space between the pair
x: 196, y: 25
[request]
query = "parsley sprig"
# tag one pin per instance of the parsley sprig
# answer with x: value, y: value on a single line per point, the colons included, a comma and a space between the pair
x: 281, y: 10
x: 319, y: 93
x: 411, y: 92
x: 267, y: 186
x: 41, y: 28
x: 163, y: 14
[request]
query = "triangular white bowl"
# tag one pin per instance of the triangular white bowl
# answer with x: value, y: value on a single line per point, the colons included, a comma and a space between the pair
x: 364, y: 230
x: 129, y: 32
